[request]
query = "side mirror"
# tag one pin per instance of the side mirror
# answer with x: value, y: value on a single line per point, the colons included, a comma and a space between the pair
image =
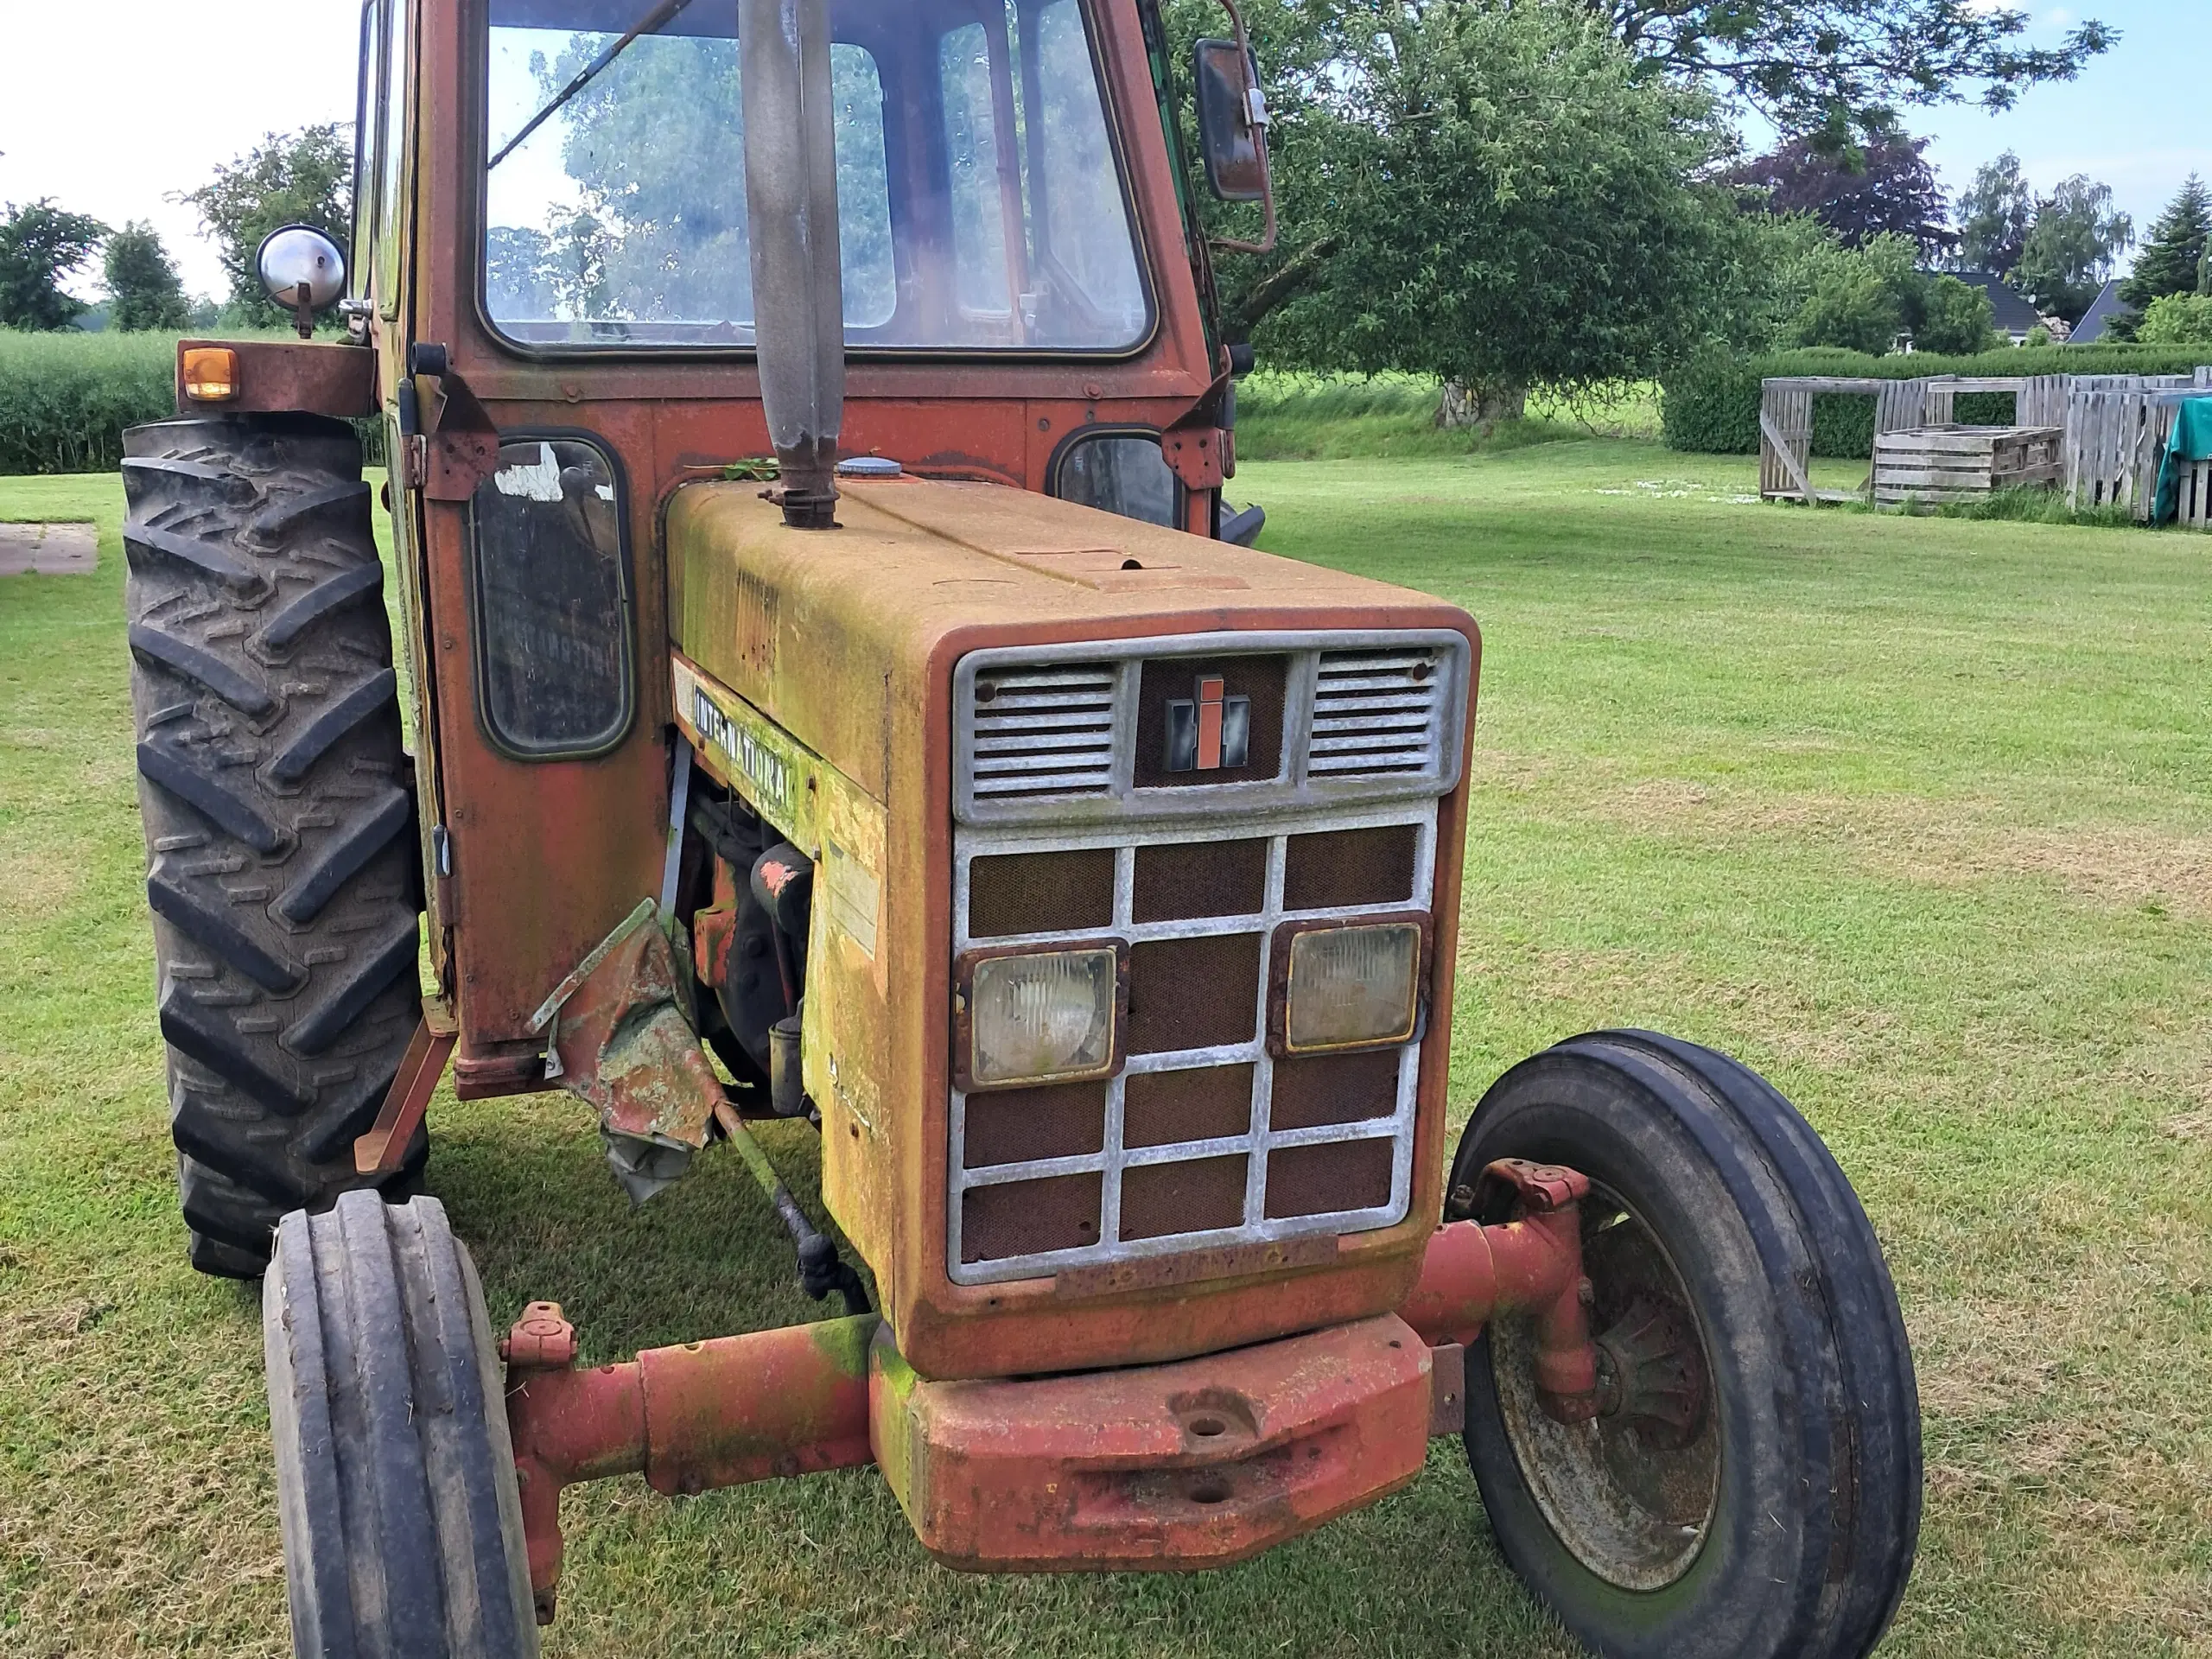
x: 1232, y: 120
x: 1233, y: 127
x: 301, y: 268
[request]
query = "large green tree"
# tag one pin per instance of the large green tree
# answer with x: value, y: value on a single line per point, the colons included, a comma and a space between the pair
x: 2069, y: 252
x: 144, y: 291
x: 1501, y: 198
x: 1996, y: 212
x: 1830, y: 67
x: 289, y: 178
x: 41, y: 247
x: 2174, y: 253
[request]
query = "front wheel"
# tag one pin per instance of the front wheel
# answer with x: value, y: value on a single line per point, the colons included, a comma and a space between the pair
x: 1752, y: 1485
x: 395, y: 1477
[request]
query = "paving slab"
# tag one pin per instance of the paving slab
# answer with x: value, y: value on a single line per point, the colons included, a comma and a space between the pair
x: 52, y: 549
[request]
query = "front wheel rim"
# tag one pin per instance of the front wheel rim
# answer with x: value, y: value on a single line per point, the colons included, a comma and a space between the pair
x: 1630, y: 1494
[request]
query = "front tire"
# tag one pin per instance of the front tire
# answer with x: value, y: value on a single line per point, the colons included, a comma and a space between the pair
x: 1753, y: 1487
x: 395, y: 1476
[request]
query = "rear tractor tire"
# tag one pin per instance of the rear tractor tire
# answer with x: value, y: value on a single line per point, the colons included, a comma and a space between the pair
x: 284, y: 868
x: 1751, y: 1486
x: 395, y: 1476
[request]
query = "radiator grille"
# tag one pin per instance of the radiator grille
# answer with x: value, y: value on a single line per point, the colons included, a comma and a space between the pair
x: 1375, y: 713
x: 1205, y: 1138
x: 1042, y: 732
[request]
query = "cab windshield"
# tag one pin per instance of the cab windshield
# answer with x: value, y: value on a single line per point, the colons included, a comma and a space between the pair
x: 980, y: 199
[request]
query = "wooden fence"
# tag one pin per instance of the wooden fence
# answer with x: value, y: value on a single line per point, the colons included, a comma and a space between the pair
x: 2115, y: 426
x: 2116, y: 431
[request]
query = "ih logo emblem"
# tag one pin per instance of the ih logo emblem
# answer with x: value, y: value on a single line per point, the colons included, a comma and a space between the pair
x: 1209, y: 731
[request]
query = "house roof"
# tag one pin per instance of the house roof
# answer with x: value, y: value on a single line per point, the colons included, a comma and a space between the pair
x: 2014, y: 315
x: 2103, y: 310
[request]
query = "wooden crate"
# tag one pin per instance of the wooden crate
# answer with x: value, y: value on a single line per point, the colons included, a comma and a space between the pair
x: 1954, y: 463
x: 2196, y: 495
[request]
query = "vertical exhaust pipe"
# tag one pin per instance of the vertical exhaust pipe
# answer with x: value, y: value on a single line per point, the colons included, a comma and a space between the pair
x: 798, y: 301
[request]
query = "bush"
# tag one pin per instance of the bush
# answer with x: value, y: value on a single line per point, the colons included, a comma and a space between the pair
x: 66, y: 398
x: 2177, y: 320
x: 1711, y: 404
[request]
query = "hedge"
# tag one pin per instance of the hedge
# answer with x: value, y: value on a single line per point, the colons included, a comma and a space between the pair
x: 1712, y: 402
x: 65, y: 398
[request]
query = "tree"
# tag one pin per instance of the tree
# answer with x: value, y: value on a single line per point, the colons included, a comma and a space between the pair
x: 1859, y: 298
x: 298, y: 178
x: 1835, y: 66
x: 1501, y: 200
x: 1996, y: 212
x: 143, y: 288
x: 1956, y: 318
x: 41, y: 246
x: 1831, y: 67
x: 2069, y: 252
x: 1884, y: 186
x: 2174, y: 254
x: 2176, y: 320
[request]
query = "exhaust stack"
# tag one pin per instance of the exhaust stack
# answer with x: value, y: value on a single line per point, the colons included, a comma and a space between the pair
x: 799, y: 301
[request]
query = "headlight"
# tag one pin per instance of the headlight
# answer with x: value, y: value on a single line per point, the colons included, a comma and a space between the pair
x: 1347, y: 986
x: 1040, y: 1016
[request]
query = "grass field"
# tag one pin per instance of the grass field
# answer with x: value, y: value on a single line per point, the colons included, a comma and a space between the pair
x: 1911, y: 814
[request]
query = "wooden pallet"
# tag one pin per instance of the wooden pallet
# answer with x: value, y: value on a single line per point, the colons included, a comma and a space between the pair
x: 2196, y: 496
x: 1956, y: 463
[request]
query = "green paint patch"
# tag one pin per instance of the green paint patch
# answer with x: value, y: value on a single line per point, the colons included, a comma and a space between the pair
x: 1910, y: 813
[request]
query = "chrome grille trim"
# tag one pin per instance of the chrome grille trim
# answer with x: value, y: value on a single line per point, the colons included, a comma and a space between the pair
x: 1375, y: 713
x: 1260, y: 1140
x: 1044, y: 731
x: 1358, y: 725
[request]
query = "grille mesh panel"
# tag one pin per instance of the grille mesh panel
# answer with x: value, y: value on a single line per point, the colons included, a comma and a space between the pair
x: 1043, y: 732
x: 1030, y: 1217
x: 1338, y: 1175
x: 1206, y: 878
x: 1375, y: 713
x: 1210, y: 1103
x: 1345, y: 868
x: 1041, y: 893
x: 1199, y: 1196
x: 1193, y: 993
x: 1335, y: 1089
x: 1016, y: 1125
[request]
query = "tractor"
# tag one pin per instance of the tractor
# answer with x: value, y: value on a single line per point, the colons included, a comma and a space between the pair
x: 836, y: 689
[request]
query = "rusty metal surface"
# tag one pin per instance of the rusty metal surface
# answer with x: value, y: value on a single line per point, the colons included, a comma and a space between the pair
x: 617, y: 1027
x: 1448, y: 1392
x: 275, y: 376
x: 703, y: 1415
x: 1530, y: 1266
x: 849, y: 643
x: 464, y: 445
x: 380, y: 1151
x: 1194, y: 1464
x: 542, y: 1340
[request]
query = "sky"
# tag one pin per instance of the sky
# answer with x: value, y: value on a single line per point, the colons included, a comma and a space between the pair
x: 111, y: 112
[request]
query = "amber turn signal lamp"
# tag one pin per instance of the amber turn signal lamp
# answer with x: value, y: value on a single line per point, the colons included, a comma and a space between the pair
x: 210, y: 374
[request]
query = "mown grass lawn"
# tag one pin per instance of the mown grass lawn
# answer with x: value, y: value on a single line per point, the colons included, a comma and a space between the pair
x: 1911, y: 814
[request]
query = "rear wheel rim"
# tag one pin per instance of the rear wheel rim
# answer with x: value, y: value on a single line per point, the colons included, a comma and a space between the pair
x: 1632, y: 1495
